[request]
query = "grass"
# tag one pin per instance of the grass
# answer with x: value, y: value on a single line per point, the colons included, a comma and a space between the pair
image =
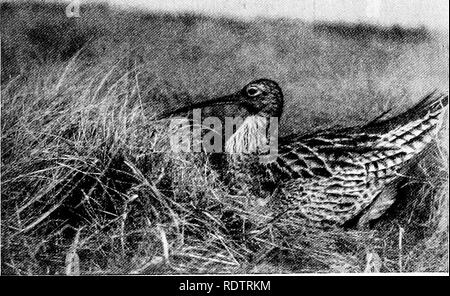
x: 85, y: 186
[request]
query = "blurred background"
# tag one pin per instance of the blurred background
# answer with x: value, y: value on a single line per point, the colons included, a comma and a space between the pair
x: 337, y: 61
x: 383, y: 12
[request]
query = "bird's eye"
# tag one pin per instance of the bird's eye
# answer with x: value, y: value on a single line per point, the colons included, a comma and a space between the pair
x: 253, y: 91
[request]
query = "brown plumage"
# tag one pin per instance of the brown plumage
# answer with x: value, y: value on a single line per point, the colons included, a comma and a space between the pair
x: 330, y: 177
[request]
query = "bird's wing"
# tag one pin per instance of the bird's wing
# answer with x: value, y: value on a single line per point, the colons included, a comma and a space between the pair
x: 332, y: 175
x: 331, y: 178
x: 376, y: 146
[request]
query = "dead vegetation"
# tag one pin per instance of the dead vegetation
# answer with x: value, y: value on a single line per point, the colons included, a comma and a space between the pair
x: 87, y: 186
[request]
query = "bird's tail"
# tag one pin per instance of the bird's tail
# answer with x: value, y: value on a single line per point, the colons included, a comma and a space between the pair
x: 403, y: 138
x: 412, y: 130
x: 431, y: 106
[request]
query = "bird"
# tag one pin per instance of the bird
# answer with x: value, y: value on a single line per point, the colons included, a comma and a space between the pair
x: 331, y: 176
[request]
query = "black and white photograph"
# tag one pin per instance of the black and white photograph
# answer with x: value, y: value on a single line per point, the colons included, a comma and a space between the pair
x: 228, y: 137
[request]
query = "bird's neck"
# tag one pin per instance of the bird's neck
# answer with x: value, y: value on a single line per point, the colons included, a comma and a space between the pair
x: 250, y: 138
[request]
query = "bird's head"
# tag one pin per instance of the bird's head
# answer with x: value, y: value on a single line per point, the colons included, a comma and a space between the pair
x: 261, y: 97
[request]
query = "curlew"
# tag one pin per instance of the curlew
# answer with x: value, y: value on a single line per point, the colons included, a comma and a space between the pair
x: 332, y: 176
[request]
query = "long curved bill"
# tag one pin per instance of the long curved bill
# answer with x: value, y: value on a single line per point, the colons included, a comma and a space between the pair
x: 225, y: 100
